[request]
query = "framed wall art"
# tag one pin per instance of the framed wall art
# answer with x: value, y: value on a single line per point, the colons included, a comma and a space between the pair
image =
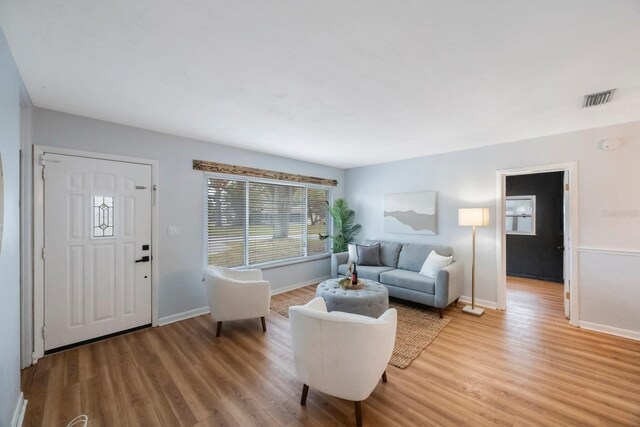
x: 412, y: 213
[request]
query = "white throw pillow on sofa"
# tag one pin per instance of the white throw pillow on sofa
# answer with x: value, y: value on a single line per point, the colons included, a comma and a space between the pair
x: 435, y: 263
x: 353, y: 253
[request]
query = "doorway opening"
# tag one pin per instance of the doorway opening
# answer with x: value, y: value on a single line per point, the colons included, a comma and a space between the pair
x: 534, y: 228
x: 537, y: 237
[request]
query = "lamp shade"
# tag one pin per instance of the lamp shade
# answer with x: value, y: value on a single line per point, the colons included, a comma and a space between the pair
x: 473, y: 216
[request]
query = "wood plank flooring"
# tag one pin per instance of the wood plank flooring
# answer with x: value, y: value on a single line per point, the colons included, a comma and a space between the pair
x: 524, y: 366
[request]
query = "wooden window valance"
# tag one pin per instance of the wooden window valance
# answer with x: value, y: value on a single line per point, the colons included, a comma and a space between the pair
x: 203, y: 165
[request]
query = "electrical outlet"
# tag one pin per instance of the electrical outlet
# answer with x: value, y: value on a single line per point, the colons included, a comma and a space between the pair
x: 173, y: 230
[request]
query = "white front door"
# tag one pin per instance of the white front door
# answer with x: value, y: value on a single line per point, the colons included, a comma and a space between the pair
x: 97, y: 233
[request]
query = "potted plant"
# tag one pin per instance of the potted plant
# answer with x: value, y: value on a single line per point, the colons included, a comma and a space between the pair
x: 344, y: 227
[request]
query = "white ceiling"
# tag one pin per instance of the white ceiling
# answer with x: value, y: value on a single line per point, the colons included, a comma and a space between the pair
x: 338, y: 82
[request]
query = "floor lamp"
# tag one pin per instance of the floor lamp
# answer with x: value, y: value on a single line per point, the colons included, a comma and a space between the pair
x: 473, y: 217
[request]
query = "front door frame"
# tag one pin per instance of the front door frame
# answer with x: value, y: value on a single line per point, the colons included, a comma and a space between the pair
x: 38, y: 235
x: 572, y: 238
x: 26, y: 253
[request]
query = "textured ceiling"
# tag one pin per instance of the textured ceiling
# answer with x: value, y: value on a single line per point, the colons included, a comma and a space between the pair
x: 343, y: 83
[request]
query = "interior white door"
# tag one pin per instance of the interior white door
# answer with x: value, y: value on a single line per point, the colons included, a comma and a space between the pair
x: 567, y: 245
x: 97, y: 231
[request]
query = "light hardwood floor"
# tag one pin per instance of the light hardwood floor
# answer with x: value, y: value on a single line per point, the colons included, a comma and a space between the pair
x: 524, y: 366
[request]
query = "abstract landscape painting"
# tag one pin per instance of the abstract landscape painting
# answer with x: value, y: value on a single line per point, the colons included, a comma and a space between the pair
x: 413, y: 213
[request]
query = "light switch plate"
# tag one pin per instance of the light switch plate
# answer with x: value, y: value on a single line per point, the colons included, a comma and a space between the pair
x: 173, y: 230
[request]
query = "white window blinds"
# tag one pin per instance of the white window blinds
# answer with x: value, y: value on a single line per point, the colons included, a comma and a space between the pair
x: 251, y: 222
x: 276, y: 222
x: 226, y: 222
x: 317, y: 220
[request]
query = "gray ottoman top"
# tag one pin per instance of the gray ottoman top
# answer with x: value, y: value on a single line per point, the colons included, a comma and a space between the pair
x: 372, y: 300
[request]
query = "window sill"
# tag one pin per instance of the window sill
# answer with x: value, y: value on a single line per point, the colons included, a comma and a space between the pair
x: 284, y: 263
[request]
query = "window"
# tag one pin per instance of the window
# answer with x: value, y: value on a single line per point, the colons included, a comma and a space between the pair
x: 253, y: 222
x: 520, y: 215
x: 102, y: 216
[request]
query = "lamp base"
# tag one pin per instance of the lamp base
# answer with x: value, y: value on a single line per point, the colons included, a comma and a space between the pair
x: 475, y: 311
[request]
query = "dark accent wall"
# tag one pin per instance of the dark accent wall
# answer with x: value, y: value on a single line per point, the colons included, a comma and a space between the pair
x: 538, y: 256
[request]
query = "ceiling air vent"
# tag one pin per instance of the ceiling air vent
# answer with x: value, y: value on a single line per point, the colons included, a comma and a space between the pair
x: 598, y: 98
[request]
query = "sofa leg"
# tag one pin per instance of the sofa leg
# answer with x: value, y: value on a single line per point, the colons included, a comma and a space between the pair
x: 264, y: 324
x: 384, y: 377
x: 358, y: 414
x: 441, y: 313
x: 219, y: 331
x: 305, y: 390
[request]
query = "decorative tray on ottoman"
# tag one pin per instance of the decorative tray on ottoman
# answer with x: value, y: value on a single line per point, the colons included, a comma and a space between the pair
x: 346, y: 284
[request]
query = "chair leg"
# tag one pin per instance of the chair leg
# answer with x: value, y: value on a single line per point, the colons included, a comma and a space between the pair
x: 219, y: 331
x: 264, y: 324
x: 441, y: 313
x: 305, y: 390
x: 384, y: 377
x: 358, y: 414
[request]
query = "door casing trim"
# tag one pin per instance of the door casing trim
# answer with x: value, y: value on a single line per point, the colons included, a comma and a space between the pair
x: 26, y: 253
x: 38, y: 234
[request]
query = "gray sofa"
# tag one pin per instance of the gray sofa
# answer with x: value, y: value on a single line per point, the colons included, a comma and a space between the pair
x: 400, y: 273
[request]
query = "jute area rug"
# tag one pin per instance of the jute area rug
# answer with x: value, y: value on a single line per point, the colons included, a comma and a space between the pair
x: 417, y: 327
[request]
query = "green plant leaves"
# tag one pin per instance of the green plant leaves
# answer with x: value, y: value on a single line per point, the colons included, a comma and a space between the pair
x: 344, y: 226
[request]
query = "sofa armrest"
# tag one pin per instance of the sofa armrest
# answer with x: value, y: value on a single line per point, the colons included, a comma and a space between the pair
x: 336, y: 260
x: 449, y: 282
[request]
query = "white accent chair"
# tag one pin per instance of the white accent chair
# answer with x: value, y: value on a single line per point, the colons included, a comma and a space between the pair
x: 341, y: 354
x: 237, y: 294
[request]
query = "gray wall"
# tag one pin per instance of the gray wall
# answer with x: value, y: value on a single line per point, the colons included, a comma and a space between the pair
x: 10, y: 84
x: 180, y: 191
x: 608, y: 181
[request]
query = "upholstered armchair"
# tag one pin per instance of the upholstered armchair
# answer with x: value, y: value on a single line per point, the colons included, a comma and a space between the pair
x: 341, y: 354
x: 237, y: 294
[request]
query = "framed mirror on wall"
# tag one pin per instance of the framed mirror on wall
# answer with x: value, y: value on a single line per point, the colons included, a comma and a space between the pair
x: 520, y: 215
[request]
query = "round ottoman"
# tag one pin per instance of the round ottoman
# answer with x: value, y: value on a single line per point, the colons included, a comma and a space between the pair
x: 372, y: 300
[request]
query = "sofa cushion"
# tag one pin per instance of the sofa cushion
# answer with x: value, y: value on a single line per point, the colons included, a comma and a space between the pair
x: 371, y: 272
x: 365, y: 271
x: 413, y: 255
x: 342, y: 269
x: 409, y: 280
x: 368, y: 255
x: 389, y: 252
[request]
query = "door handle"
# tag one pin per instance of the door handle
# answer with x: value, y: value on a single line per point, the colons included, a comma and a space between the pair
x: 145, y: 258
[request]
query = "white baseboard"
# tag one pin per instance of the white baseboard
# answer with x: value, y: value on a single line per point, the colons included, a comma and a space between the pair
x: 299, y: 285
x: 18, y: 413
x: 204, y: 310
x: 624, y: 333
x: 182, y: 316
x: 481, y: 302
